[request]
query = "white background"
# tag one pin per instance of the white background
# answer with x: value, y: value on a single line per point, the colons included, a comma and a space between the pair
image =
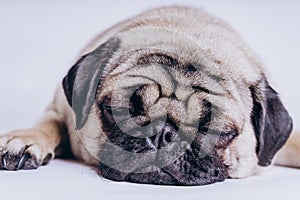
x: 39, y: 41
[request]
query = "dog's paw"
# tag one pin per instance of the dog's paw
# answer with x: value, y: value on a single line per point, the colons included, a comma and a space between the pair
x: 23, y: 150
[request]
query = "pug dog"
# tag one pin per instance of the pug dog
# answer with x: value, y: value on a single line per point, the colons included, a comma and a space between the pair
x: 172, y: 96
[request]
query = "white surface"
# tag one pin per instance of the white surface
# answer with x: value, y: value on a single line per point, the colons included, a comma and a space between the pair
x: 72, y: 180
x: 39, y: 41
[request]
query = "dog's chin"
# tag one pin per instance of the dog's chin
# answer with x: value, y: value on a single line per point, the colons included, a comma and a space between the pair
x: 189, y: 169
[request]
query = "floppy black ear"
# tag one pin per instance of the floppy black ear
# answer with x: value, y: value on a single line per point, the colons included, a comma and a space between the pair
x: 80, y: 84
x: 271, y: 122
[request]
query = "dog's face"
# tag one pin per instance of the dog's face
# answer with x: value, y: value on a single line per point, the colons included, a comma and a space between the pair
x: 176, y: 114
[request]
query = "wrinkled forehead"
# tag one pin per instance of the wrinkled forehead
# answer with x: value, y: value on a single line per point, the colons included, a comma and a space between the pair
x: 221, y: 53
x: 184, y: 89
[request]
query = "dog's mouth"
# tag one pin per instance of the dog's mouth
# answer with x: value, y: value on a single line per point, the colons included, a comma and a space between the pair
x: 166, y: 157
x: 187, y: 170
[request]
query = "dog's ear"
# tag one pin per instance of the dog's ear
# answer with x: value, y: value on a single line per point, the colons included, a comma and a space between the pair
x: 271, y: 122
x: 80, y: 84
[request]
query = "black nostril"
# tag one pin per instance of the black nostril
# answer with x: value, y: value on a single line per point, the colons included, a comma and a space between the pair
x: 166, y: 132
x: 168, y: 137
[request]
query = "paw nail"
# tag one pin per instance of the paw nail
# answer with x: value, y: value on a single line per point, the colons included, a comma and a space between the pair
x: 47, y: 159
x: 4, y: 162
x: 22, y: 161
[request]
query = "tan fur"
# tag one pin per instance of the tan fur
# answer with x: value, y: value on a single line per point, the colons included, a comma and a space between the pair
x: 289, y: 155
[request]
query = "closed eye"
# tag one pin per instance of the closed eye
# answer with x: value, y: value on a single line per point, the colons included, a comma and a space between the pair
x: 205, y: 90
x: 200, y: 89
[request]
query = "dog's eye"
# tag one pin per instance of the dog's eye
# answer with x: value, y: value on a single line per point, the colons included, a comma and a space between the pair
x: 200, y: 89
x: 117, y: 110
x: 222, y: 138
x: 225, y: 139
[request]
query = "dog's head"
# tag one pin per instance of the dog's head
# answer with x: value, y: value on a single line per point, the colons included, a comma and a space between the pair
x: 175, y: 112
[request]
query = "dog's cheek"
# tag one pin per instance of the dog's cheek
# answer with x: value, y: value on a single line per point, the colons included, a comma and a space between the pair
x: 240, y: 156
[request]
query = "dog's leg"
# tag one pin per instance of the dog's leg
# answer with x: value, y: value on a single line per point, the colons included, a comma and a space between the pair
x: 289, y: 155
x: 31, y: 148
